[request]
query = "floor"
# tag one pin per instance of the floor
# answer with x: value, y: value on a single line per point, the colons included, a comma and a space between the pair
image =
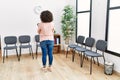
x: 63, y: 69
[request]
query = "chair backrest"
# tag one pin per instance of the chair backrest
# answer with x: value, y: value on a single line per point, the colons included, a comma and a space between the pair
x: 10, y: 40
x: 80, y: 39
x: 89, y: 42
x: 37, y: 38
x: 101, y: 45
x: 24, y: 39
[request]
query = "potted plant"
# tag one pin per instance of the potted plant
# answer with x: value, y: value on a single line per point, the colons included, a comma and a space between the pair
x: 68, y: 23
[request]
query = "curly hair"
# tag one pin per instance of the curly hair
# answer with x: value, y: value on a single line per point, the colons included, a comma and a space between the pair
x: 46, y: 16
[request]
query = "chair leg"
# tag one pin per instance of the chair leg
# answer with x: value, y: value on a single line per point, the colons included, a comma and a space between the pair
x: 36, y: 51
x: 104, y: 59
x: 93, y: 60
x: 82, y: 60
x: 104, y: 63
x: 6, y: 54
x: 31, y: 52
x: 17, y: 55
x: 17, y: 52
x: 91, y: 65
x: 86, y: 57
x: 97, y: 61
x: 73, y: 55
x: 67, y: 52
x: 3, y: 56
x: 20, y: 54
x: 20, y: 51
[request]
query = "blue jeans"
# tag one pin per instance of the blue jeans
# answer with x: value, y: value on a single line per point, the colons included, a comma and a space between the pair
x: 47, y: 48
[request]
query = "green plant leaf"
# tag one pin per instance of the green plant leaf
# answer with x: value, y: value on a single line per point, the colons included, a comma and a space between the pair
x: 68, y: 21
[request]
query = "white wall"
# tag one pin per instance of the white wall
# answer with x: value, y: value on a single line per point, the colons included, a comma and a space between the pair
x: 17, y: 17
x: 98, y: 28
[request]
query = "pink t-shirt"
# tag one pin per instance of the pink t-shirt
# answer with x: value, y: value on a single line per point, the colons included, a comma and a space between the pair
x: 46, y: 31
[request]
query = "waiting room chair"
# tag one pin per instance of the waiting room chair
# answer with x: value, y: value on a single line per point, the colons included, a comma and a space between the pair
x: 24, y: 41
x: 37, y: 40
x: 80, y: 41
x: 101, y: 46
x: 10, y: 42
x: 89, y: 43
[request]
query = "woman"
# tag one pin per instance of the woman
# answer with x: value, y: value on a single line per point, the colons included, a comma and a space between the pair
x: 46, y: 32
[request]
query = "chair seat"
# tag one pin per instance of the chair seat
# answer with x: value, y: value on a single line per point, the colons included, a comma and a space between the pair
x: 25, y: 46
x: 92, y: 54
x: 10, y: 47
x: 72, y: 45
x: 80, y: 49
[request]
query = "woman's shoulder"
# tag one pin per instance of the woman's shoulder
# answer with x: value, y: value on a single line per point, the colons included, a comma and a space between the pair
x: 41, y: 24
x: 52, y: 23
x: 46, y: 24
x: 49, y: 23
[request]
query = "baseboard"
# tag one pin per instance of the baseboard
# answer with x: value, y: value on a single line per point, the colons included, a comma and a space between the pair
x: 115, y: 72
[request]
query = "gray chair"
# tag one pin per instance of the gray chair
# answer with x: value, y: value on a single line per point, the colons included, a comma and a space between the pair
x: 80, y: 41
x: 24, y: 41
x: 101, y: 46
x: 10, y: 42
x: 37, y: 40
x: 89, y: 43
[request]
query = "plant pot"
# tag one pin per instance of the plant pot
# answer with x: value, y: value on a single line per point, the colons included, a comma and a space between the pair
x: 65, y: 46
x: 67, y: 40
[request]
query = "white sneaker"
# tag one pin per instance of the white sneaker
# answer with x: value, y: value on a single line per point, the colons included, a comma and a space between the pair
x: 49, y: 69
x: 44, y: 69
